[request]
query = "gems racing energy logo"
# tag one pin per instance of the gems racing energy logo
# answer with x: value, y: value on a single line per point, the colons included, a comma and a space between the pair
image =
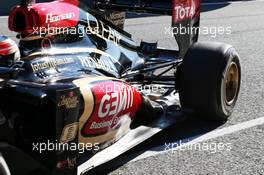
x: 111, y: 106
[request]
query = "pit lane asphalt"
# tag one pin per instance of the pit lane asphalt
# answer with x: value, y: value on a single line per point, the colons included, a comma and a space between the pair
x: 247, y: 153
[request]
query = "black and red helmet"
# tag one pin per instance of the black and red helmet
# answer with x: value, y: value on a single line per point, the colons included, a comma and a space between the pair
x: 9, y: 52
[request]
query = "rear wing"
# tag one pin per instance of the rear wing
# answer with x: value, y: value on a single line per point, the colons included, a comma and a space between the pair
x: 185, y: 16
x: 138, y: 6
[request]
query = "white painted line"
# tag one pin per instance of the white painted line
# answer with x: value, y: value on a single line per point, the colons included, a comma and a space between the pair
x: 124, y: 144
x: 228, y: 2
x: 205, y: 137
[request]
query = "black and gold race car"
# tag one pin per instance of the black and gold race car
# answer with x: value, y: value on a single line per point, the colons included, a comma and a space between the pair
x: 77, y: 91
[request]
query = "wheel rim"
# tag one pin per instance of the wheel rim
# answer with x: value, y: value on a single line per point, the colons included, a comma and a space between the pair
x: 231, y: 83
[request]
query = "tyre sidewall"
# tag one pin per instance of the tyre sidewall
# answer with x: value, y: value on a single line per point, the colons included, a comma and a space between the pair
x: 226, y: 110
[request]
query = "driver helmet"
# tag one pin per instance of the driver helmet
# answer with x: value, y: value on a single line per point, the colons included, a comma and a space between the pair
x: 9, y: 52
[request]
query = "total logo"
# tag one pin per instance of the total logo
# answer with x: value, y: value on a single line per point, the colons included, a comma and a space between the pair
x: 183, y: 12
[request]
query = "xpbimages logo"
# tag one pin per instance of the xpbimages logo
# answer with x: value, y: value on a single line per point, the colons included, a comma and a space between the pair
x: 211, y: 147
x: 57, y: 146
x: 212, y: 31
x: 117, y: 87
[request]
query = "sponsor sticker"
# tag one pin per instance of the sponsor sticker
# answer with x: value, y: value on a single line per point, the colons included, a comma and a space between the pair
x: 185, y: 10
x: 113, y: 101
x: 69, y: 132
x: 50, y: 63
x: 51, y: 18
x: 70, y: 101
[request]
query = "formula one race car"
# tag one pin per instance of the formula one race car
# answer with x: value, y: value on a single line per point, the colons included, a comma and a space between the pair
x: 77, y: 91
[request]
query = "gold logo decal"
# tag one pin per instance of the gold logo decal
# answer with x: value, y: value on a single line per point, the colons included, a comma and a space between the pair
x: 69, y: 132
x: 69, y: 102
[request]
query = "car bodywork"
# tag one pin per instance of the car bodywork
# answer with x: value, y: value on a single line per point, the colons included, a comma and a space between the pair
x: 80, y: 88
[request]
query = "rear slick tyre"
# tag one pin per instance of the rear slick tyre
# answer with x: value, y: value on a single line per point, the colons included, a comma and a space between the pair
x: 210, y: 80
